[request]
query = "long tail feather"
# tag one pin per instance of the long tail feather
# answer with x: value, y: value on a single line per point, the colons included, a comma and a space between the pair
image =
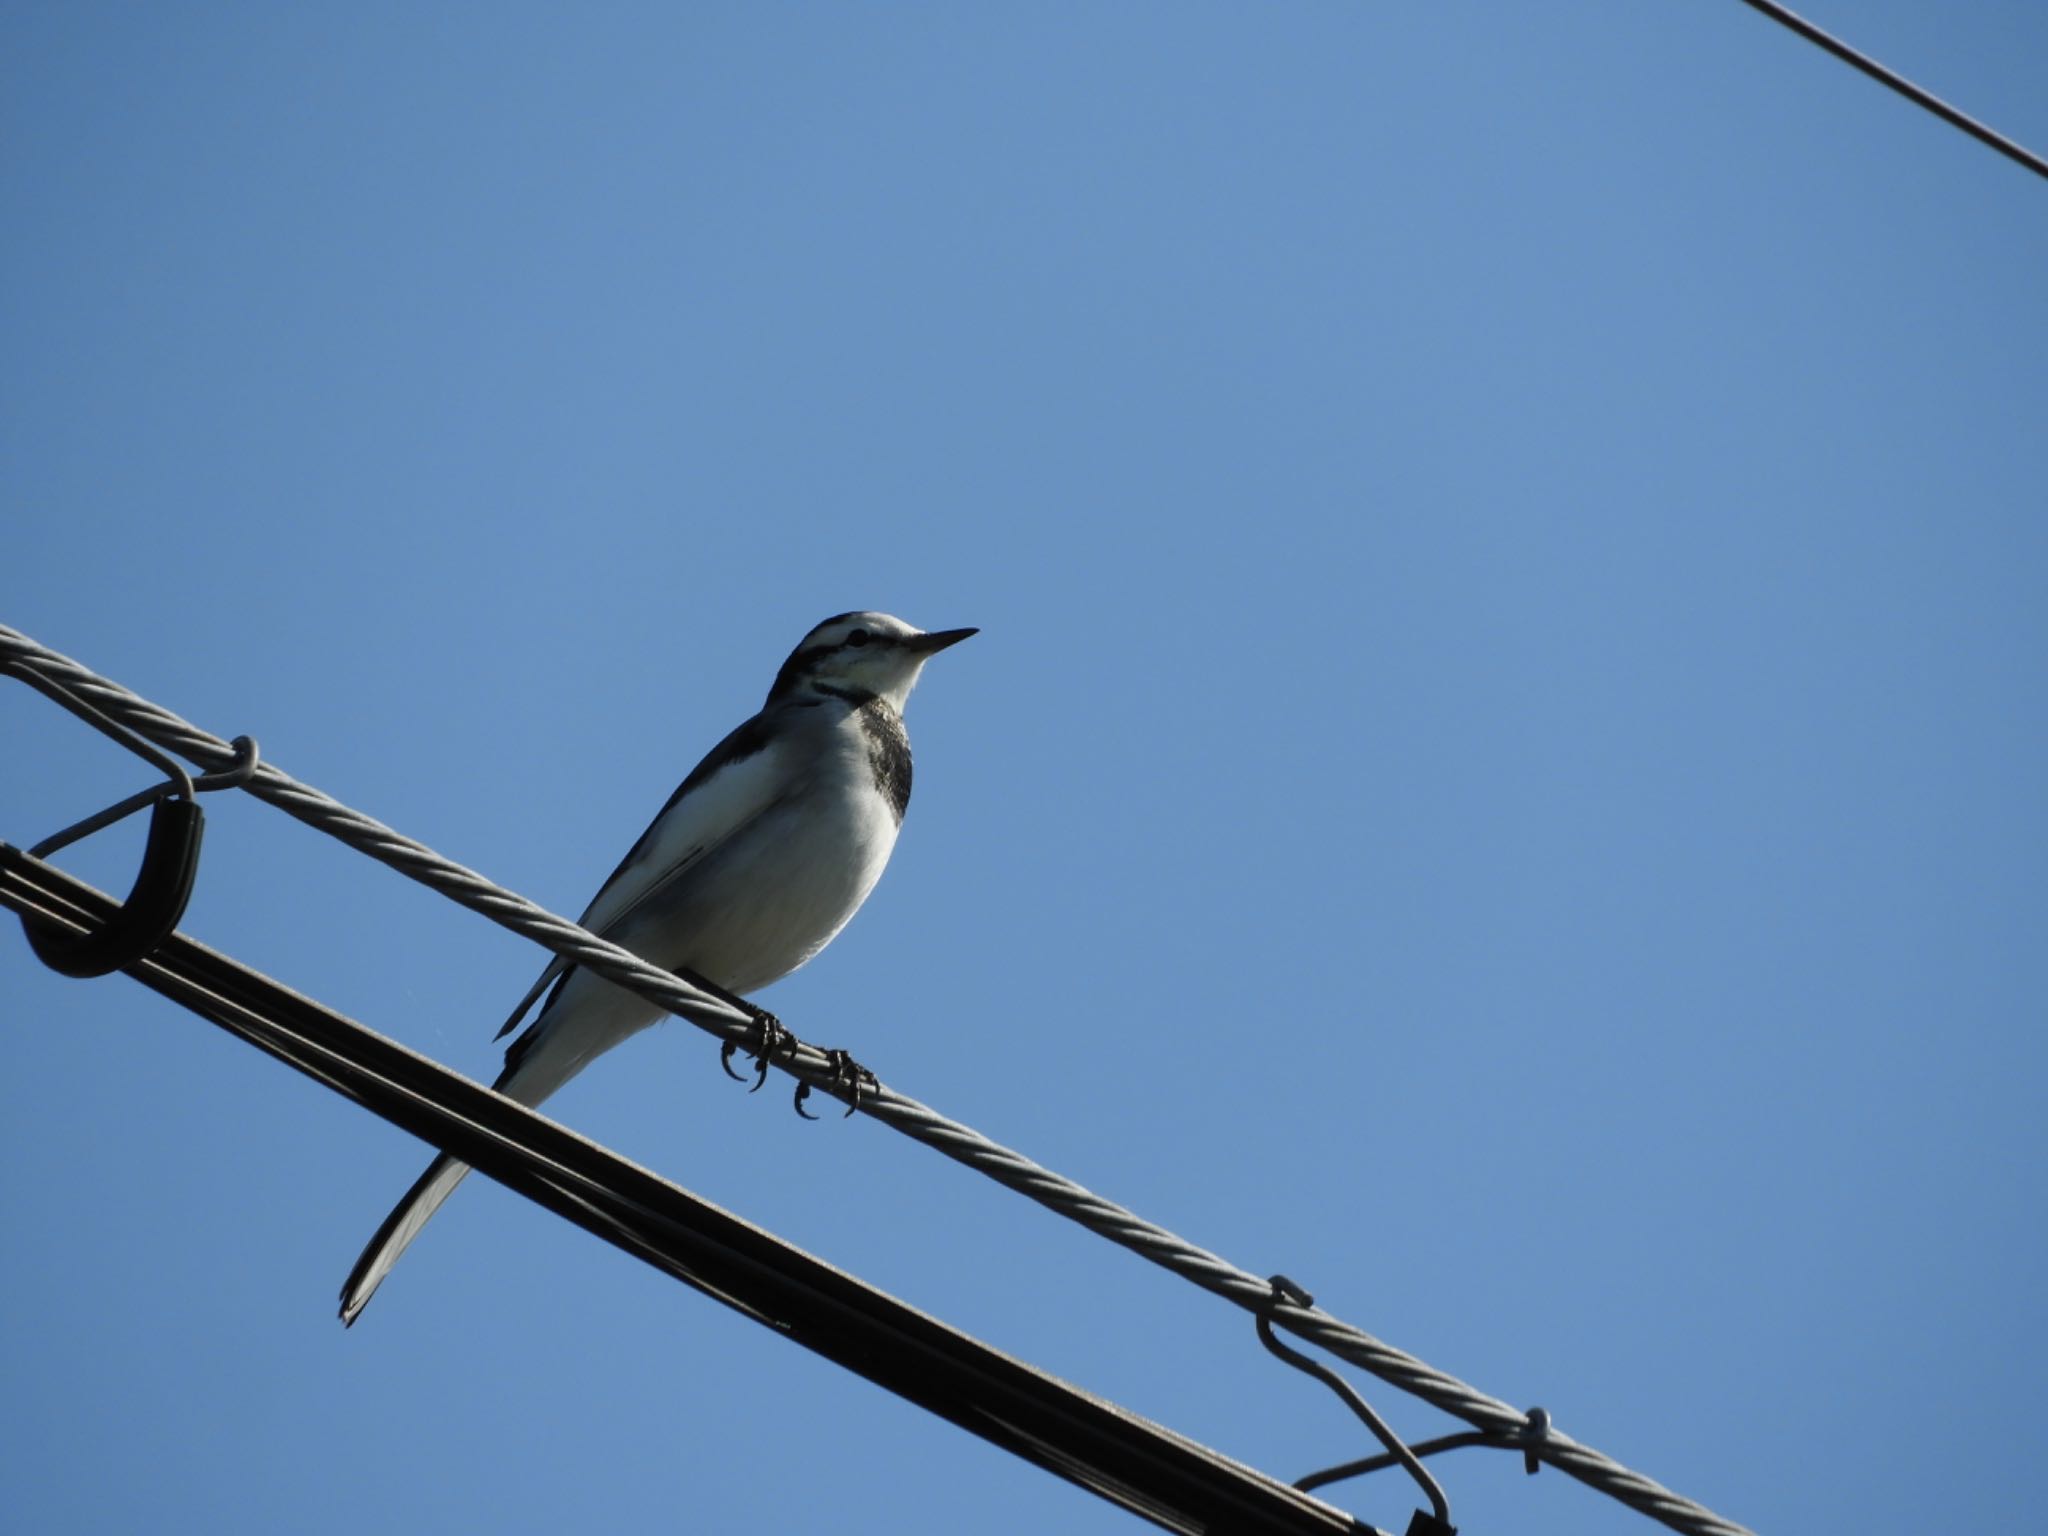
x: 397, y: 1233
x: 581, y: 1022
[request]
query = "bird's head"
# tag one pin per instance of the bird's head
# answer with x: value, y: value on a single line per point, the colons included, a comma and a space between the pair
x: 861, y: 656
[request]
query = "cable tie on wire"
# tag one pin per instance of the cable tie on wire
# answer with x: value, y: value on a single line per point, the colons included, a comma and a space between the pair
x: 1286, y: 1290
x: 1534, y: 1437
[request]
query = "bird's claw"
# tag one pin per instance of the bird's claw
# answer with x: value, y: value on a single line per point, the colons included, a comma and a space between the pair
x: 847, y: 1074
x: 764, y: 1037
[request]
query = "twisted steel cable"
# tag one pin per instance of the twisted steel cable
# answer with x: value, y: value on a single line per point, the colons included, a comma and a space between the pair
x: 919, y: 1121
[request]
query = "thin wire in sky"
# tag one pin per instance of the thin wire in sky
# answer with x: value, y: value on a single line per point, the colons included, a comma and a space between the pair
x: 1903, y: 86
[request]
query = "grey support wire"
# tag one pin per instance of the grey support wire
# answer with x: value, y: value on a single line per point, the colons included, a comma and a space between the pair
x: 1788, y: 18
x: 920, y: 1122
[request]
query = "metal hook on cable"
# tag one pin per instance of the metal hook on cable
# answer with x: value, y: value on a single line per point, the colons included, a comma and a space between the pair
x: 1438, y: 1521
x: 180, y: 787
x: 1529, y: 1440
x: 170, y: 859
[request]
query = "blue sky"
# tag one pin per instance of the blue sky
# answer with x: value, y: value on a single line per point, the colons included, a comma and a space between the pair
x: 1502, y: 775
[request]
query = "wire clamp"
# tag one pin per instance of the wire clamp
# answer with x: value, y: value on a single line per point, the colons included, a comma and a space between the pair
x: 170, y: 858
x: 1532, y: 1438
x: 1434, y: 1522
x: 154, y: 905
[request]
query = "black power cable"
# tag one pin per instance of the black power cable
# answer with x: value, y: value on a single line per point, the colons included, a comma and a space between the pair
x: 1897, y: 82
x: 1131, y: 1461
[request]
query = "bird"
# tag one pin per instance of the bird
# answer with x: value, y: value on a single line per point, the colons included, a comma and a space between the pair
x: 754, y: 865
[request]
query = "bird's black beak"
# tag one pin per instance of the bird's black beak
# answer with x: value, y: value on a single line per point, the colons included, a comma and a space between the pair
x: 937, y: 640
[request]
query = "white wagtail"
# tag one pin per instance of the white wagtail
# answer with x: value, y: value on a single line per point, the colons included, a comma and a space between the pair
x: 756, y: 862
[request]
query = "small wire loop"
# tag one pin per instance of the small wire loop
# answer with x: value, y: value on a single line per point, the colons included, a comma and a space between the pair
x: 1286, y: 1290
x: 238, y: 773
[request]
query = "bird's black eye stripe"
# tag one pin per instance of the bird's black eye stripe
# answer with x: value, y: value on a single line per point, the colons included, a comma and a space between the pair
x: 858, y: 637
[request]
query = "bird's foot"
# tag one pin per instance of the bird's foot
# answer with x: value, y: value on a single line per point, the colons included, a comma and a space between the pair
x: 764, y: 1037
x: 847, y: 1074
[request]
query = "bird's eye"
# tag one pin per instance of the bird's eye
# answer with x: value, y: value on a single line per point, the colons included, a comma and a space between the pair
x: 858, y: 637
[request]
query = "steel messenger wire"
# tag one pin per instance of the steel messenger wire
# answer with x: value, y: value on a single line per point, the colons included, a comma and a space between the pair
x: 918, y: 1121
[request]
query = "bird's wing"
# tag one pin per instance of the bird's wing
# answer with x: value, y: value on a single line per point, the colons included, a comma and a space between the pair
x: 739, y: 779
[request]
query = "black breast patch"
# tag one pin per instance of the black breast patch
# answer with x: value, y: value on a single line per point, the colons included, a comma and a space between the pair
x: 888, y: 752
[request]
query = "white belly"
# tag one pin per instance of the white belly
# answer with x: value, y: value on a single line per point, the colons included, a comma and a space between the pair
x: 744, y: 915
x: 774, y: 895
